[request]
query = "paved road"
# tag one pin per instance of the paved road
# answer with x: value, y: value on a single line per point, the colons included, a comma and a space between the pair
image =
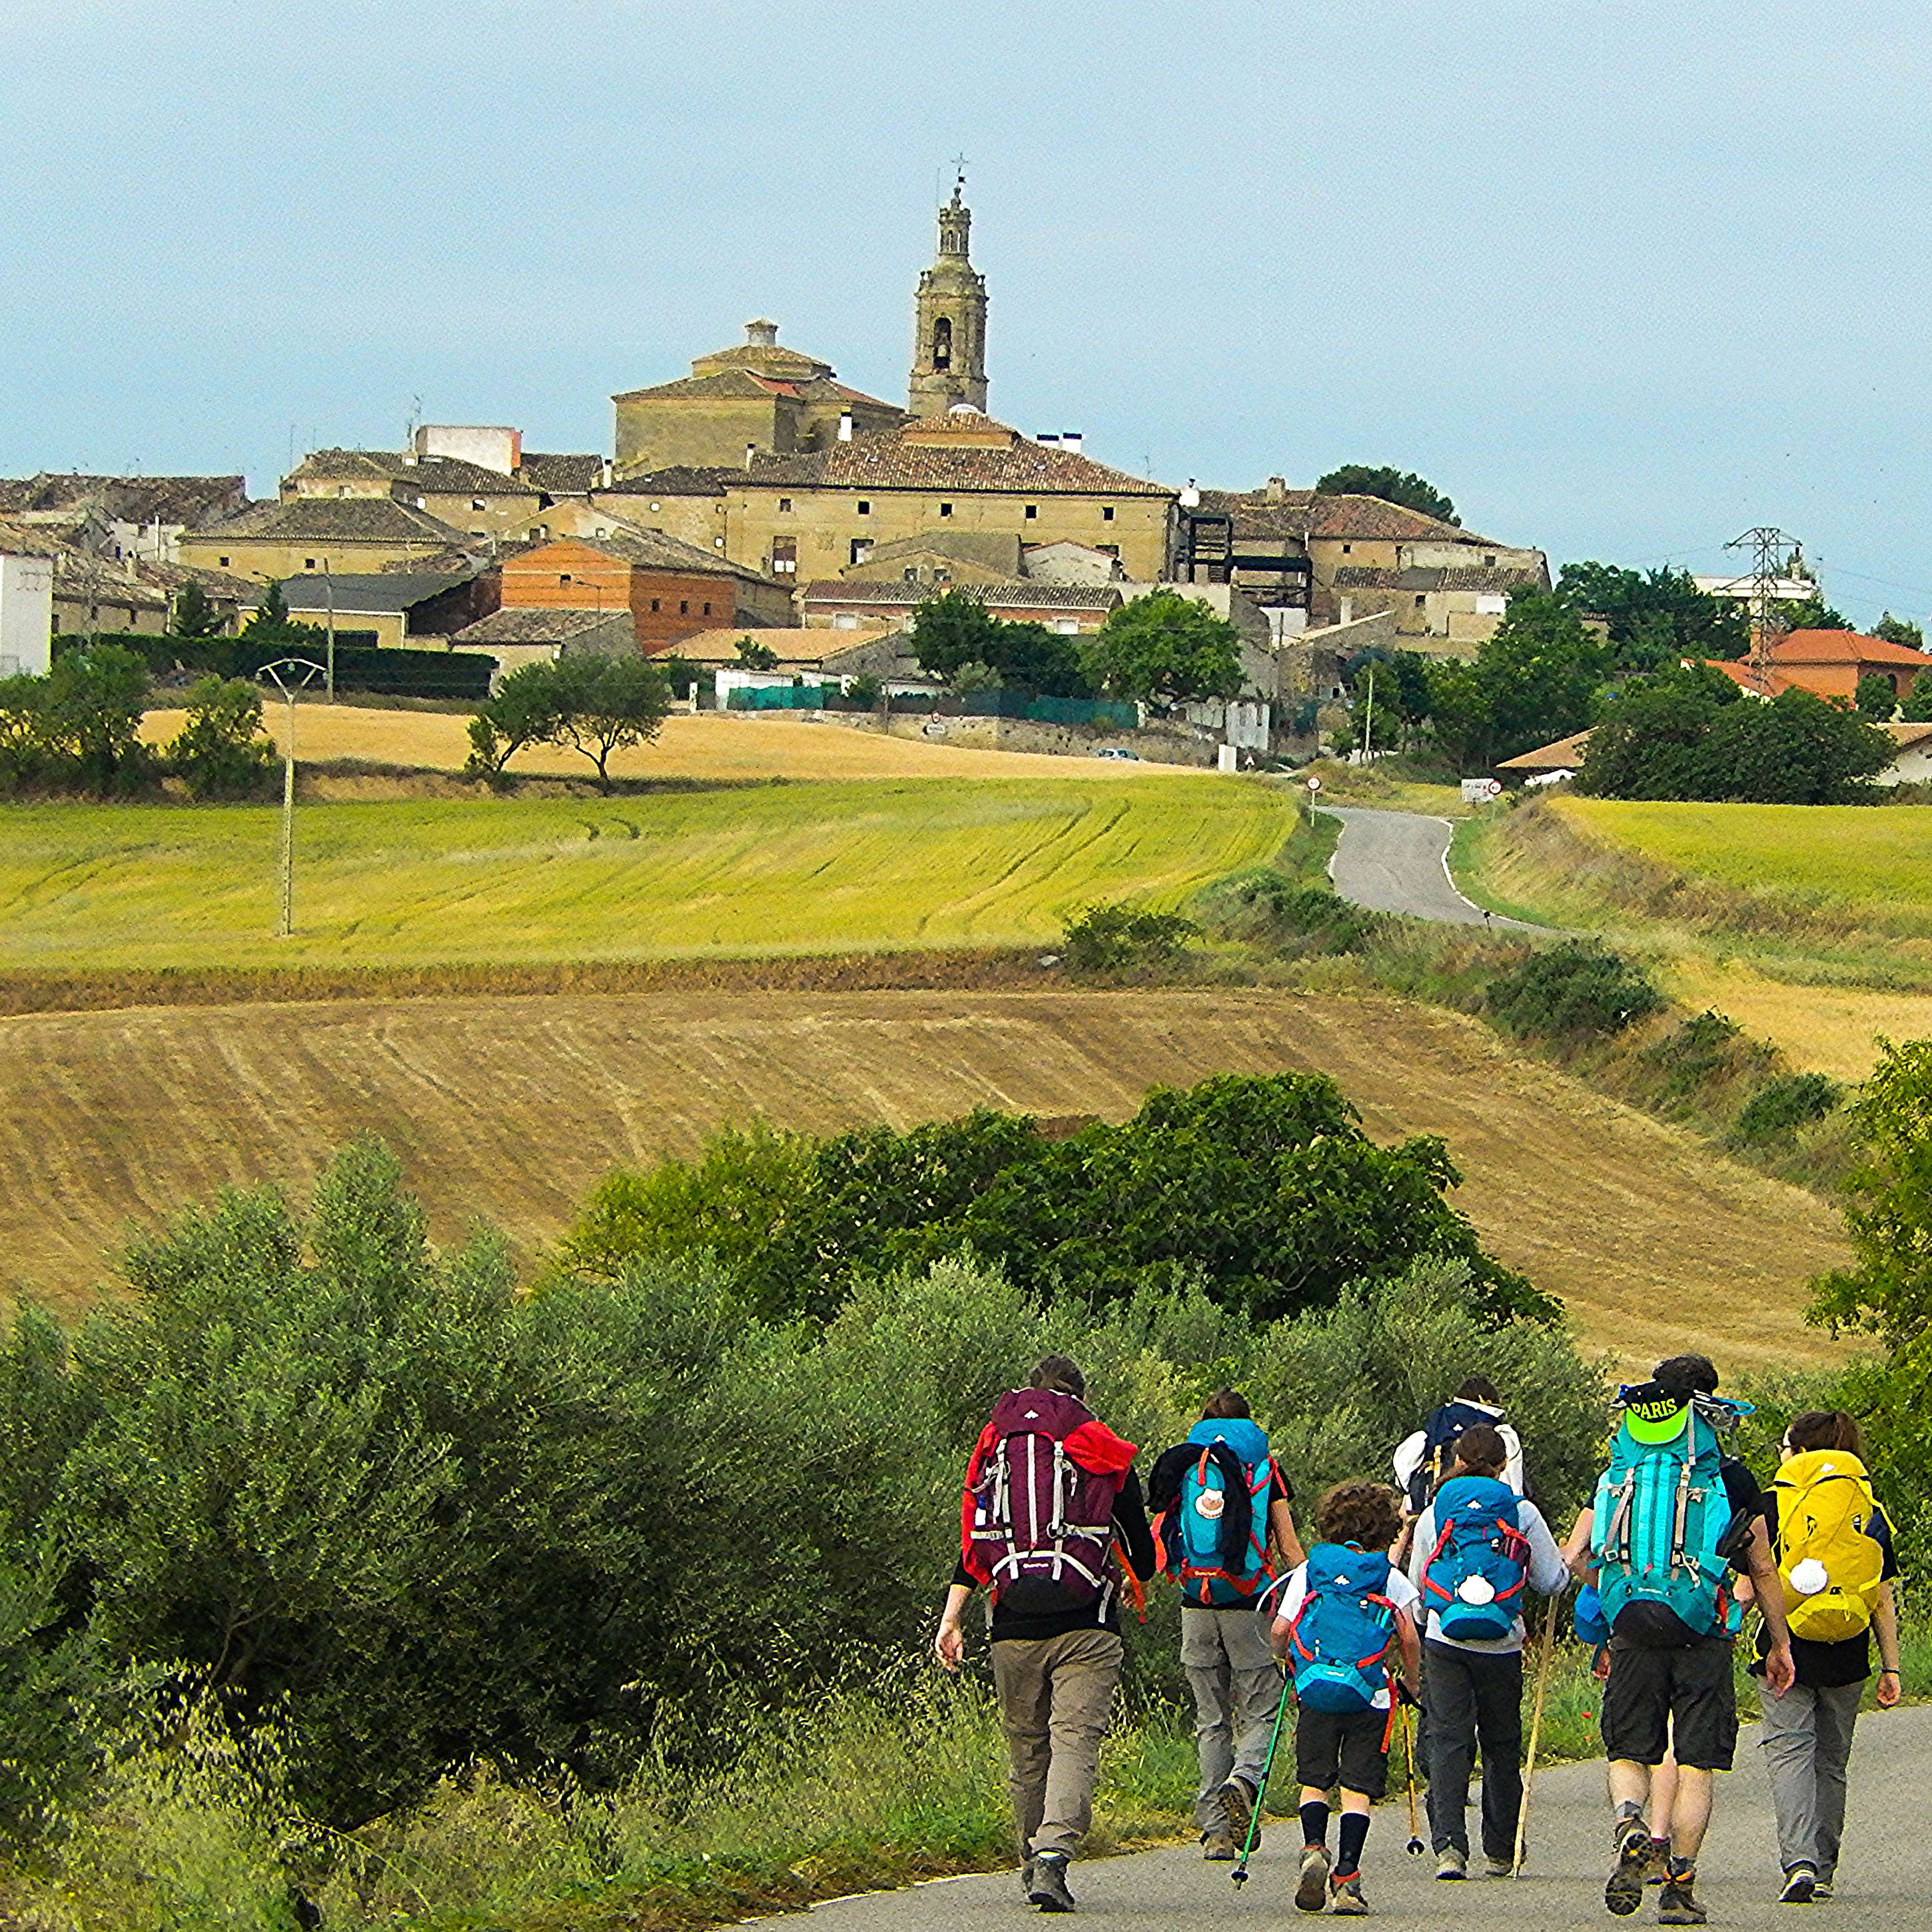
x: 1886, y: 1881
x: 1397, y: 862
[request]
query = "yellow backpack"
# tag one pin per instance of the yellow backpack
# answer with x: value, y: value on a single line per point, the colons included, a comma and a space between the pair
x: 1828, y: 1559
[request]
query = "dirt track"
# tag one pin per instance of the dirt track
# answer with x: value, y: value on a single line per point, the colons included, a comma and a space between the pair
x: 510, y: 1108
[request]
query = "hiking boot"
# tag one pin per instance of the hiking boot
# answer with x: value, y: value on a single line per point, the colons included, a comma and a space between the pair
x: 1449, y: 1863
x: 1801, y: 1886
x: 1821, y: 1892
x: 1237, y: 1801
x: 1312, y: 1893
x: 1677, y: 1903
x: 1219, y: 1845
x: 1659, y: 1867
x: 1026, y: 1877
x: 1623, y: 1892
x: 1349, y: 1902
x: 1048, y: 1889
x: 1502, y: 1867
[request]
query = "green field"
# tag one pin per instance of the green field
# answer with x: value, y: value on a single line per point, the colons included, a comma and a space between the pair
x: 777, y: 868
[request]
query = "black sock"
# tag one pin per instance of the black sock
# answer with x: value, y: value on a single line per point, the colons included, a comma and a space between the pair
x: 1315, y: 1822
x: 1354, y: 1836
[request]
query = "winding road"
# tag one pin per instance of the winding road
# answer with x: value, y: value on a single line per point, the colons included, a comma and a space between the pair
x: 1884, y: 1882
x: 1399, y: 862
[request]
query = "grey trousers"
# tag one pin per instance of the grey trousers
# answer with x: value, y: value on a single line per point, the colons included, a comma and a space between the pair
x: 1236, y: 1686
x: 1055, y: 1693
x: 1470, y: 1697
x: 1807, y: 1742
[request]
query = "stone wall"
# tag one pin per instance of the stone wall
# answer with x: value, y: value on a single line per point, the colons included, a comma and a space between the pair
x: 1153, y: 743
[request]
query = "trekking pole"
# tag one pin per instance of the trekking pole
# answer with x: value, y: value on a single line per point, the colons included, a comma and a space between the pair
x: 1239, y: 1874
x: 1414, y: 1846
x: 1544, y: 1651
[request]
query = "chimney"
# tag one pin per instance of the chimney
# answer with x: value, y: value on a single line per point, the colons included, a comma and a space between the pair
x: 606, y: 472
x: 1073, y: 440
x: 1051, y: 437
x: 1190, y: 497
x: 1277, y: 489
x: 751, y: 450
x: 844, y: 425
x: 761, y: 333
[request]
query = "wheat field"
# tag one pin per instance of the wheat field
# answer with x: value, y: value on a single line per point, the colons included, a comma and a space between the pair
x: 509, y: 1109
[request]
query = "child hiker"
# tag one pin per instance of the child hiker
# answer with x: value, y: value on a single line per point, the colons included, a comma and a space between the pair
x: 1342, y: 1611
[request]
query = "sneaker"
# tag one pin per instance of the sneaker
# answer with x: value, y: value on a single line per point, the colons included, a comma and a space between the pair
x: 1312, y: 1893
x: 1048, y: 1889
x: 1677, y: 1904
x: 1501, y: 1867
x: 1449, y: 1863
x: 1219, y: 1845
x: 1821, y: 1892
x: 1623, y: 1892
x: 1237, y: 1801
x: 1026, y: 1877
x: 1801, y: 1886
x: 1349, y: 1902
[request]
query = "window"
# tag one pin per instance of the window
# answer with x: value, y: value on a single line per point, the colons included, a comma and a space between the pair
x: 422, y: 502
x: 563, y: 577
x: 342, y: 490
x: 684, y: 607
x: 654, y: 603
x: 1107, y: 550
x: 865, y: 508
x: 656, y: 506
x: 1065, y: 626
x: 942, y: 343
x: 717, y: 543
x: 1346, y: 548
x: 946, y: 509
x: 1032, y: 511
x: 1489, y: 563
x: 846, y: 620
x: 1421, y: 601
x: 1106, y: 513
x: 222, y: 562
x: 784, y: 556
x: 478, y: 503
x: 707, y: 609
x: 784, y: 506
x: 862, y: 550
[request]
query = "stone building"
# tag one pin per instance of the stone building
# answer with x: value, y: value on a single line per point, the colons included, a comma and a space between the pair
x: 754, y: 398
x: 127, y: 519
x: 287, y: 538
x: 948, y: 353
x: 1065, y: 607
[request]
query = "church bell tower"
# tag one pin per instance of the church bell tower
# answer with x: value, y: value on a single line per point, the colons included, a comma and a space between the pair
x: 948, y: 354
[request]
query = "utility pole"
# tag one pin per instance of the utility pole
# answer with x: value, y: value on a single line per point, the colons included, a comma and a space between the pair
x: 328, y: 591
x: 1773, y: 556
x: 302, y: 672
x: 1368, y: 727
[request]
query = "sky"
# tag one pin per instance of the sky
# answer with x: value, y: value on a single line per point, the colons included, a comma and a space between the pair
x: 1623, y: 278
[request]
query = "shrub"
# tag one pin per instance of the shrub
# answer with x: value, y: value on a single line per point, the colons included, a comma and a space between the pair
x: 1782, y: 1105
x: 221, y: 751
x: 1290, y: 917
x: 865, y: 692
x: 1122, y: 938
x: 1571, y: 992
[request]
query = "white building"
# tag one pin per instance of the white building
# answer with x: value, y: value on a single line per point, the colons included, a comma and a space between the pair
x: 26, y: 615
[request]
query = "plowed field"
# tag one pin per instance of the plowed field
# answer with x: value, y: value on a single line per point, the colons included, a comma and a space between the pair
x: 509, y: 1109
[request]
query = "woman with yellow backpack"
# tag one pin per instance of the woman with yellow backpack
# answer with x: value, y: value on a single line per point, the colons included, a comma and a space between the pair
x: 1833, y: 1546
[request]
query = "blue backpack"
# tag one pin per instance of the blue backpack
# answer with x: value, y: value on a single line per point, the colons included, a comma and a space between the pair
x: 1221, y: 1538
x: 1660, y: 1529
x: 1340, y: 1635
x: 1474, y: 1576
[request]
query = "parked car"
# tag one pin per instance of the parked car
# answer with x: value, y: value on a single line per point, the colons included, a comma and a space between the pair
x: 1117, y: 751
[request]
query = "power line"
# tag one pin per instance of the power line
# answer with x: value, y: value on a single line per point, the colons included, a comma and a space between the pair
x: 1774, y: 556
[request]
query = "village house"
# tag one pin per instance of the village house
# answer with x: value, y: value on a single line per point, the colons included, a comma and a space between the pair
x: 1067, y: 608
x: 295, y: 535
x: 125, y: 519
x: 393, y: 607
x: 26, y: 609
x: 535, y: 634
x: 1828, y: 664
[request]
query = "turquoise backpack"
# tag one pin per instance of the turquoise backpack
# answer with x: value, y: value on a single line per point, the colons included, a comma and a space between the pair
x: 1339, y: 1641
x: 1222, y: 1560
x: 1660, y: 1528
x: 1474, y: 1578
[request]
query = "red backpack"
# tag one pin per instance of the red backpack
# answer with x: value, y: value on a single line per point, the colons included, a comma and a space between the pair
x: 1036, y: 1525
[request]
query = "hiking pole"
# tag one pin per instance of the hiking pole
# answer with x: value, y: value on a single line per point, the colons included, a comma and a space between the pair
x: 1239, y: 1874
x: 1414, y: 1846
x: 1544, y: 1650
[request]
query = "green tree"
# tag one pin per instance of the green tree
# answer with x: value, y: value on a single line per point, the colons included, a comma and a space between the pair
x: 1398, y: 681
x: 753, y: 655
x: 1877, y: 696
x: 270, y: 622
x: 91, y: 718
x: 1166, y: 650
x: 955, y: 629
x: 1402, y: 487
x: 1918, y: 706
x: 604, y: 704
x: 1535, y: 678
x: 1650, y: 741
x: 1655, y: 618
x: 222, y: 751
x: 972, y: 677
x: 1812, y: 613
x: 195, y: 615
x: 1899, y: 631
x: 523, y: 710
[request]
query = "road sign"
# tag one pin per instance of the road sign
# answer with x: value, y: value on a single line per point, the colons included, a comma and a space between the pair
x: 1314, y: 785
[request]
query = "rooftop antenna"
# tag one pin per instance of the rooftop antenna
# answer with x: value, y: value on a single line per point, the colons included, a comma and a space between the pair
x: 410, y: 427
x: 1774, y: 553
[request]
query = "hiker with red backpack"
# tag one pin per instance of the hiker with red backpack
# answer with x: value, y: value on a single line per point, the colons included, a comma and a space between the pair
x: 1224, y: 1528
x: 1673, y: 1519
x: 1478, y: 1550
x: 1342, y: 1611
x: 1833, y: 1549
x: 1054, y: 1526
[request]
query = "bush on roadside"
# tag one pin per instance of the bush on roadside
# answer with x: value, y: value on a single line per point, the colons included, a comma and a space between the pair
x: 1123, y: 939
x: 1781, y: 1106
x: 1291, y: 916
x: 1571, y: 992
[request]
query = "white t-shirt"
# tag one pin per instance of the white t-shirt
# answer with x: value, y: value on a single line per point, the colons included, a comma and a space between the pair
x: 1399, y: 1590
x: 1548, y: 1573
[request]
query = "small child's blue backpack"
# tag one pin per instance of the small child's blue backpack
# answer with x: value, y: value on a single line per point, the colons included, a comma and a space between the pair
x: 1340, y: 1637
x: 1221, y: 1559
x: 1474, y: 1577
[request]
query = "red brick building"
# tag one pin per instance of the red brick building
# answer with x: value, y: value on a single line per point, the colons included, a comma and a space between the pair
x: 671, y: 589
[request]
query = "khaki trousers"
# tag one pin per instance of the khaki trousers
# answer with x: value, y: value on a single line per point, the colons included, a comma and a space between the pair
x: 1055, y: 1693
x: 1237, y: 1685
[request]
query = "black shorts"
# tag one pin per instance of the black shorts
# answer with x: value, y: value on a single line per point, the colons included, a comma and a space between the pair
x: 1659, y: 1700
x: 1350, y: 1750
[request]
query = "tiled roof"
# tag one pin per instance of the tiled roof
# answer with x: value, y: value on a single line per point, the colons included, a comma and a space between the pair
x: 393, y: 591
x: 332, y: 519
x: 1844, y: 647
x: 1029, y: 595
x: 425, y: 475
x: 24, y: 540
x: 1303, y: 514
x: 681, y: 479
x: 1905, y: 735
x: 1566, y: 754
x: 794, y: 646
x: 77, y: 574
x: 652, y: 551
x: 560, y: 474
x: 174, y: 500
x: 962, y: 452
x: 550, y: 624
x: 1420, y: 577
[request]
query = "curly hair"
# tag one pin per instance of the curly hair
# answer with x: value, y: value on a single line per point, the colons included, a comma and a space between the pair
x: 1361, y: 1512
